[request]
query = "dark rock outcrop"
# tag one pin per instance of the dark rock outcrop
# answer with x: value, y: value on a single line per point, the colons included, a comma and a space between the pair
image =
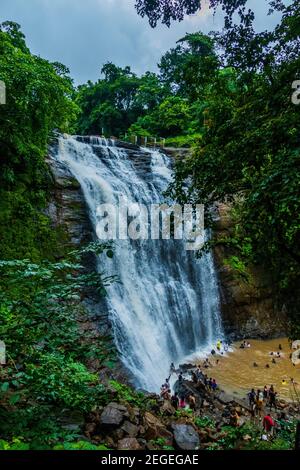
x: 248, y: 307
x: 129, y: 443
x: 154, y: 428
x: 113, y: 415
x: 69, y: 214
x: 185, y: 436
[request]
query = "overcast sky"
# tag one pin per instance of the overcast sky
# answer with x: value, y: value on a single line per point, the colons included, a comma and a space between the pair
x: 84, y: 34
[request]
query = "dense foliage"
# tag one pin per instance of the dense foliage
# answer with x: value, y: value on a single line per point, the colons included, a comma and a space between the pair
x: 47, y: 351
x: 112, y: 104
x: 167, y: 11
x: 228, y: 95
x: 249, y: 152
x: 39, y: 100
x: 167, y: 105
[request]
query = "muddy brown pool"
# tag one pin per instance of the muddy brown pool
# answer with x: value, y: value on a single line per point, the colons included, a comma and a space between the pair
x: 235, y: 372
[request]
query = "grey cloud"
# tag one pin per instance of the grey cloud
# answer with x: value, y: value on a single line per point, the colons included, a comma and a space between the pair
x: 85, y: 34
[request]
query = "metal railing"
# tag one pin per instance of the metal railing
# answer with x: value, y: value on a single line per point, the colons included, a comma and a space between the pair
x: 152, y: 142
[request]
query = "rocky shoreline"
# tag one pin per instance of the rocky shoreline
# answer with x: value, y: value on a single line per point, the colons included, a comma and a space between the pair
x: 156, y: 424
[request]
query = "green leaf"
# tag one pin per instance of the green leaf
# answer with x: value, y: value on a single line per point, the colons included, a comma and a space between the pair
x: 5, y: 386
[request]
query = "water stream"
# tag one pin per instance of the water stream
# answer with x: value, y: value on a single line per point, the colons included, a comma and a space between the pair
x: 166, y: 306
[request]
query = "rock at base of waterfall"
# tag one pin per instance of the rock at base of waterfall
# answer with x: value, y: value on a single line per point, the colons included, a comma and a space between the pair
x: 71, y: 420
x: 113, y: 415
x: 154, y: 428
x: 167, y: 409
x: 131, y: 429
x: 129, y: 443
x: 186, y: 438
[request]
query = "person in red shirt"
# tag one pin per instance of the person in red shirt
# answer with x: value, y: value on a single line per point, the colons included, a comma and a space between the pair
x: 268, y: 423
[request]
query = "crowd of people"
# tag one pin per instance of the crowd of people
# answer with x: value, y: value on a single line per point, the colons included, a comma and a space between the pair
x: 274, y: 355
x: 185, y: 398
x: 199, y: 376
x: 181, y: 399
x: 260, y: 398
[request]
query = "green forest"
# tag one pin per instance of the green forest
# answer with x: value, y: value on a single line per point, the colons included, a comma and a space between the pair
x: 227, y: 97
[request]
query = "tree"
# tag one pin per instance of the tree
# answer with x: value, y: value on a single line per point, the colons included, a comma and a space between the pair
x: 250, y: 151
x: 47, y: 351
x: 115, y: 102
x: 172, y: 10
x: 39, y: 101
x: 191, y: 66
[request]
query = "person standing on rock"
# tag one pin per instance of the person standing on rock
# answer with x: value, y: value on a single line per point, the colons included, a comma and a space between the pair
x: 259, y: 402
x: 251, y: 397
x: 175, y: 401
x: 194, y: 377
x: 272, y: 398
x: 192, y: 401
x: 182, y: 400
x: 214, y: 385
x: 234, y: 419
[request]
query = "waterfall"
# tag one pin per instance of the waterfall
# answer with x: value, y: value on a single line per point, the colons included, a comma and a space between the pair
x: 166, y: 305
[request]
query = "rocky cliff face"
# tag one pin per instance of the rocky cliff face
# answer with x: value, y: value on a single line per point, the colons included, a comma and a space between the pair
x: 248, y: 307
x: 69, y: 214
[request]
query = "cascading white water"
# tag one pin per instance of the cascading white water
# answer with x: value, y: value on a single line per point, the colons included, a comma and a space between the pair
x: 166, y: 305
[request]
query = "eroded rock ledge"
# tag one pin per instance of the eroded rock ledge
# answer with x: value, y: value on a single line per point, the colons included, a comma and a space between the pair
x: 248, y: 307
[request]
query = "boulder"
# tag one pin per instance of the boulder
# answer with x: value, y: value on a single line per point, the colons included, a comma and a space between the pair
x: 154, y: 428
x: 113, y: 415
x: 134, y: 415
x: 186, y: 367
x: 71, y: 420
x: 167, y: 409
x: 90, y: 429
x: 110, y: 443
x: 129, y: 443
x: 186, y: 438
x: 131, y: 429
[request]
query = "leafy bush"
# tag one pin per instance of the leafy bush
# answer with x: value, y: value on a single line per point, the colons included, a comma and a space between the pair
x: 127, y: 394
x: 40, y: 305
x: 182, y: 141
x: 204, y: 422
x: 80, y: 445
